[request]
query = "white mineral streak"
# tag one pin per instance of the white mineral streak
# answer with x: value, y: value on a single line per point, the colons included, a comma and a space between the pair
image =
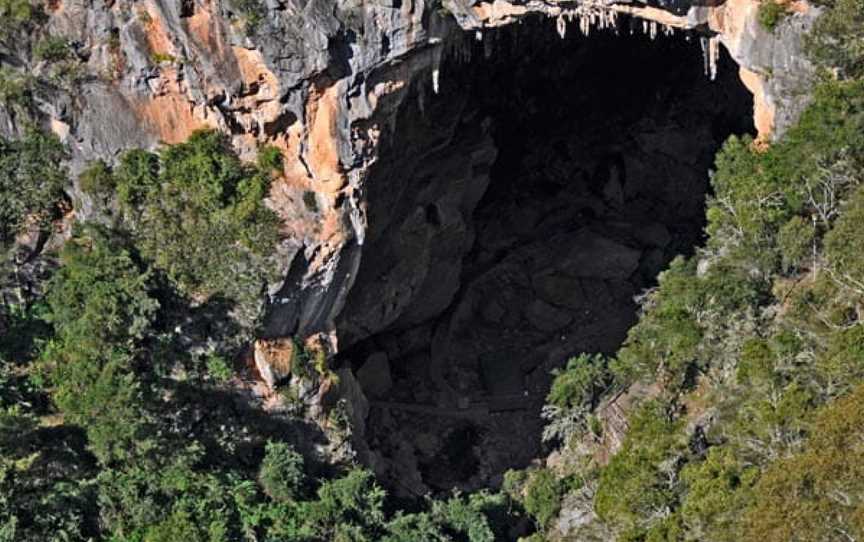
x: 710, y: 54
x: 713, y: 55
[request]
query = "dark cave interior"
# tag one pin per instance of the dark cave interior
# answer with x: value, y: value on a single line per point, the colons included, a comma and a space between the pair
x: 513, y: 217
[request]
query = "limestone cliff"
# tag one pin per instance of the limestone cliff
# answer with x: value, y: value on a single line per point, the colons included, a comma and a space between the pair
x: 386, y: 159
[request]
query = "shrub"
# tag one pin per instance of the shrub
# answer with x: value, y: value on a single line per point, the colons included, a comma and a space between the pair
x: 796, y: 243
x: 15, y: 14
x: 542, y: 497
x: 640, y: 483
x: 281, y: 473
x: 14, y: 88
x: 31, y: 182
x: 99, y: 304
x: 844, y: 245
x: 97, y: 179
x: 837, y: 38
x: 52, y: 49
x: 771, y: 13
x: 580, y: 383
x: 270, y: 158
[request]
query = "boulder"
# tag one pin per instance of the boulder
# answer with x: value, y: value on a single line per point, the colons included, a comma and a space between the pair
x: 374, y: 375
x: 546, y: 317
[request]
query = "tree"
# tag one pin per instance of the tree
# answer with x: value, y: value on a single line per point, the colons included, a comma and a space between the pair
x: 31, y: 183
x: 281, y: 473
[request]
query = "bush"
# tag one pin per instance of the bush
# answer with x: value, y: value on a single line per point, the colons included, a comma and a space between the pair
x: 99, y: 304
x: 15, y: 14
x: 52, y: 49
x: 97, y: 179
x: 837, y: 38
x: 281, y: 473
x: 542, y: 499
x: 771, y: 13
x: 31, y: 182
x: 640, y: 484
x: 844, y: 245
x: 270, y: 158
x: 796, y: 243
x: 580, y: 383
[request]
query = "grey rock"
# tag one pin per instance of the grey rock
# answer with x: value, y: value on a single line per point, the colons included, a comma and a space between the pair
x: 374, y: 375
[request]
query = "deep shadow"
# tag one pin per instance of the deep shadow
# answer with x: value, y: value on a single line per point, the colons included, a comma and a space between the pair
x: 513, y: 217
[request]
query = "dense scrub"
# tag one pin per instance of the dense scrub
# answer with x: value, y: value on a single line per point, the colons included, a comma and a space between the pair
x: 115, y: 423
x: 754, y: 347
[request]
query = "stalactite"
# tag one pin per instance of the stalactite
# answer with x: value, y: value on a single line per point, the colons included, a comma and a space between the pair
x: 714, y: 56
x: 710, y: 55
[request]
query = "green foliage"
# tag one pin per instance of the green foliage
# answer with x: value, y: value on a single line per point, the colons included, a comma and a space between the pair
x: 347, y: 508
x: 219, y: 369
x: 281, y: 473
x: 17, y: 14
x: 837, y: 38
x: 270, y: 158
x: 795, y: 241
x: 162, y: 58
x: 771, y: 13
x: 580, y: 383
x: 97, y: 179
x: 14, y: 88
x: 252, y: 13
x: 52, y: 49
x: 99, y: 304
x: 31, y: 182
x: 641, y: 480
x: 197, y: 213
x: 718, y: 489
x: 817, y: 494
x: 542, y: 498
x: 844, y: 244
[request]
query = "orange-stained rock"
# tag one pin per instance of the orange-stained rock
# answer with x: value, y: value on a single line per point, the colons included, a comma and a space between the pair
x: 322, y: 155
x: 763, y: 109
x: 171, y: 117
x: 154, y: 29
x: 274, y: 359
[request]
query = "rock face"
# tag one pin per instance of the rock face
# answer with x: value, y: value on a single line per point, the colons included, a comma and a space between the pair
x: 274, y: 359
x: 456, y: 201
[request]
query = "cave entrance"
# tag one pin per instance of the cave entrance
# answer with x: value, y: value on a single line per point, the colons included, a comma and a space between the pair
x: 513, y: 217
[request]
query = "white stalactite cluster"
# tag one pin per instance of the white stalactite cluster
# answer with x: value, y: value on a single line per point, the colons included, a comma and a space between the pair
x: 592, y: 14
x: 589, y: 15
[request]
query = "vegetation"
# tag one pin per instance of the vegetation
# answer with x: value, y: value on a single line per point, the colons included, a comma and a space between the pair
x: 112, y: 427
x: 252, y: 13
x: 197, y: 213
x: 771, y: 13
x: 52, y: 49
x: 31, y: 183
x: 16, y: 15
